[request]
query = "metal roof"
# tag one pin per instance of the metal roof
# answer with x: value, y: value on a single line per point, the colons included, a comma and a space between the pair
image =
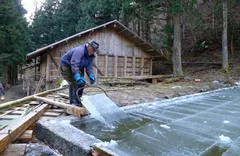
x: 119, y: 27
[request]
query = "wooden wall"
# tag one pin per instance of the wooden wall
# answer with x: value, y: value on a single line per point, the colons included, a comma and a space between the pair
x: 118, y: 56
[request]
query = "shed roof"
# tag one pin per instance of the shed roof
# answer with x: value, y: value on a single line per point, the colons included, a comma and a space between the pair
x: 119, y: 27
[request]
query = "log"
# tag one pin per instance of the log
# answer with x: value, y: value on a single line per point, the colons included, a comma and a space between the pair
x: 63, y: 95
x: 70, y: 109
x: 138, y: 77
x: 14, y: 130
x: 175, y: 79
x: 28, y: 98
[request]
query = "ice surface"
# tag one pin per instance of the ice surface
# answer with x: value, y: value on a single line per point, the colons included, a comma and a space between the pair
x: 205, y: 124
x: 103, y: 109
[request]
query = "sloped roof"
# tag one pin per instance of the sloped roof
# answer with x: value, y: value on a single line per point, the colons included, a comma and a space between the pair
x: 120, y: 28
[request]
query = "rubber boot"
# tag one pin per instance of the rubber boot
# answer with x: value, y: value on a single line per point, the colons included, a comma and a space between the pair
x: 72, y: 95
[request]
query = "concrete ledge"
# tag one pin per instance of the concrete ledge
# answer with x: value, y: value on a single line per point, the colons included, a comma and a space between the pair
x: 59, y: 134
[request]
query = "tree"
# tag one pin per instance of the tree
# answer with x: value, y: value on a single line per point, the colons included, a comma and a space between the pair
x: 14, y: 37
x: 224, y: 39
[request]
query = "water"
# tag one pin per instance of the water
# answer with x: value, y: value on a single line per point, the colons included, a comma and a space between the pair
x: 103, y: 109
x: 106, y: 133
x: 201, y: 125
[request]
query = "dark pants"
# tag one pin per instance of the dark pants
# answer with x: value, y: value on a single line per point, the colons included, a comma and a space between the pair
x: 73, y: 86
x: 1, y: 90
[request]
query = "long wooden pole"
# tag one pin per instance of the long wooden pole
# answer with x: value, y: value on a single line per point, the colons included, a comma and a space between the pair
x: 71, y: 109
x: 20, y: 101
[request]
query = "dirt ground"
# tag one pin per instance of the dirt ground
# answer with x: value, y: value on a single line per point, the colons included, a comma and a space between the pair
x: 122, y: 95
x: 13, y: 93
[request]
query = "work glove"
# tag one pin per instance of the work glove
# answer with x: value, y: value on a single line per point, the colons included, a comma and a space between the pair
x: 80, y: 80
x: 92, y: 79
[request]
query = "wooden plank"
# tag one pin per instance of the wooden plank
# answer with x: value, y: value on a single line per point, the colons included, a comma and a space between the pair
x: 140, y: 77
x: 151, y: 64
x: 106, y: 65
x: 134, y: 66
x: 71, y: 109
x: 20, y: 101
x: 26, y: 136
x: 125, y: 66
x: 63, y: 95
x: 154, y: 81
x: 48, y: 71
x: 9, y: 111
x: 17, y: 112
x: 56, y: 110
x: 142, y: 66
x: 6, y: 117
x: 15, y: 150
x: 54, y: 60
x: 115, y: 66
x: 14, y: 130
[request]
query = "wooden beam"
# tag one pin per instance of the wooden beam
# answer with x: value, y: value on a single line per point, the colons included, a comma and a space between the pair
x: 71, y: 109
x: 14, y: 130
x: 63, y: 95
x: 142, y: 66
x: 26, y: 136
x: 134, y: 66
x: 106, y: 65
x: 25, y: 99
x: 121, y: 31
x: 95, y: 62
x: 48, y: 71
x: 54, y: 61
x: 125, y: 66
x: 151, y: 64
x: 141, y: 77
x: 115, y: 66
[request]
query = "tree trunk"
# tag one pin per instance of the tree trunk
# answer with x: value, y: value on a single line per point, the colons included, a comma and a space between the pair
x: 224, y: 39
x: 176, y: 58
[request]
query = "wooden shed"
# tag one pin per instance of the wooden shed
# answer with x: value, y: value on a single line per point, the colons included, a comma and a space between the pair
x: 122, y: 53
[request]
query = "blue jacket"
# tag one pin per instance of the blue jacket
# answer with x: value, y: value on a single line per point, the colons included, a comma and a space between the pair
x: 78, y: 58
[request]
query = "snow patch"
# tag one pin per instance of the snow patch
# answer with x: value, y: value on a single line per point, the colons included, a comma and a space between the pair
x: 165, y: 126
x: 225, y: 138
x: 225, y: 121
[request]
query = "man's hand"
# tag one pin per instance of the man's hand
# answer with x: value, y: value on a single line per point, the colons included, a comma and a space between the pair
x: 92, y: 79
x: 80, y: 80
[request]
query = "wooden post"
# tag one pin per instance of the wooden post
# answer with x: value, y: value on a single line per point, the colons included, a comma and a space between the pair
x: 48, y: 71
x: 134, y: 66
x: 142, y: 66
x: 106, y: 65
x: 150, y: 67
x: 115, y: 66
x: 96, y: 63
x: 125, y: 66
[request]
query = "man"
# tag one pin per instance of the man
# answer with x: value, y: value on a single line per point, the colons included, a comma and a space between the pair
x: 2, y: 93
x: 72, y: 66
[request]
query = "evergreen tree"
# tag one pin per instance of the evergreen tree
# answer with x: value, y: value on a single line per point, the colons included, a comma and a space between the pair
x: 14, y: 36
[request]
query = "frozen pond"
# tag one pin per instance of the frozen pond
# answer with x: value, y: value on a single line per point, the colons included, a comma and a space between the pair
x: 206, y: 125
